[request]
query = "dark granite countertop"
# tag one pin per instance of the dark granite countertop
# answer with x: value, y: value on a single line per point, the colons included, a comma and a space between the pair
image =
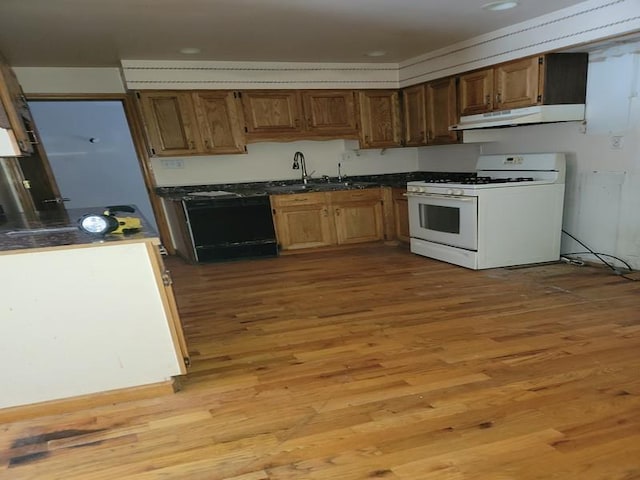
x: 55, y: 229
x: 234, y: 190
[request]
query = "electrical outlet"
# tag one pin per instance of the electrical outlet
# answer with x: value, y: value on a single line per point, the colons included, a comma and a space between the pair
x: 616, y: 142
x: 173, y: 163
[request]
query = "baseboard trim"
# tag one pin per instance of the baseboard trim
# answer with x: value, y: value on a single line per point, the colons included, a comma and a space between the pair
x: 65, y: 405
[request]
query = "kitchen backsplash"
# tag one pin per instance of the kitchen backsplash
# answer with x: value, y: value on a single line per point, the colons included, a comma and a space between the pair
x: 273, y: 161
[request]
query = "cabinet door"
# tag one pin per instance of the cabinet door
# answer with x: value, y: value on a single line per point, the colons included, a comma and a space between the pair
x: 330, y: 112
x: 442, y: 111
x: 517, y: 84
x: 379, y: 118
x: 401, y: 214
x: 414, y: 116
x: 170, y: 123
x: 303, y: 227
x: 358, y: 222
x: 16, y: 110
x: 219, y: 120
x: 476, y: 92
x: 273, y: 111
x: 302, y: 220
x: 358, y: 215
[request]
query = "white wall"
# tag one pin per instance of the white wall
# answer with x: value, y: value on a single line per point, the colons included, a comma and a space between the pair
x: 602, y: 201
x: 273, y: 161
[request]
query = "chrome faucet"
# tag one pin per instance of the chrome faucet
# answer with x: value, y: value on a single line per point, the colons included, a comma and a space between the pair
x: 299, y: 164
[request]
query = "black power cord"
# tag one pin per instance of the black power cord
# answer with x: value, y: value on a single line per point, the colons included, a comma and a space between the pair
x: 599, y: 257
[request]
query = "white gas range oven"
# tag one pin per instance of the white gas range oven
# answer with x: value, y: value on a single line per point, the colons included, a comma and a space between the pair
x: 508, y: 212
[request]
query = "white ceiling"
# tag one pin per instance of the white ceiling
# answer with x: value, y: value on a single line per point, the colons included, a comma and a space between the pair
x: 102, y: 32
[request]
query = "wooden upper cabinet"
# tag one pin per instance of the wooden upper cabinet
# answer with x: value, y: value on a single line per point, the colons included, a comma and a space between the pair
x: 170, y: 123
x: 269, y: 112
x: 14, y: 110
x: 442, y: 111
x: 192, y: 123
x: 476, y: 92
x: 414, y: 116
x: 329, y: 112
x: 509, y: 85
x: 297, y: 114
x: 379, y: 118
x: 554, y: 78
x: 220, y: 122
x: 428, y: 111
x: 517, y: 84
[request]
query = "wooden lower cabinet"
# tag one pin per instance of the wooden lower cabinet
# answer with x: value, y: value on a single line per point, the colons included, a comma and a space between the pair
x: 322, y: 219
x: 401, y: 214
x: 358, y: 216
x: 302, y: 221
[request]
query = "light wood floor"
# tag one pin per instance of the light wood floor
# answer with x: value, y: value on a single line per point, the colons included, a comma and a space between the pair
x: 372, y: 363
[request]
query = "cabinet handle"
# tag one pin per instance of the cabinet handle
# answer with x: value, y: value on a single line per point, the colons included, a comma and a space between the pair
x: 498, y: 98
x: 325, y: 212
x: 192, y: 145
x: 337, y: 212
x: 488, y: 100
x: 206, y: 144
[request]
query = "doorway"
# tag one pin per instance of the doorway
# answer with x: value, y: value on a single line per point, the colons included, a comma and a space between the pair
x: 91, y: 154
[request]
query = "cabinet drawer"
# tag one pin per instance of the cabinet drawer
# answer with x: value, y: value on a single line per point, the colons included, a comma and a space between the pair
x: 356, y: 195
x: 296, y: 199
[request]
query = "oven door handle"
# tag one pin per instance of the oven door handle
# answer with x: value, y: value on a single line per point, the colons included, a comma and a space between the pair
x: 443, y: 197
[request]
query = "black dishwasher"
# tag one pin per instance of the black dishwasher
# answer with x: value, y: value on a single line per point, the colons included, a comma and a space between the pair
x: 231, y: 228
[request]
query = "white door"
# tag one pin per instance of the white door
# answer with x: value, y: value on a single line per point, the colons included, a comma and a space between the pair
x: 91, y: 153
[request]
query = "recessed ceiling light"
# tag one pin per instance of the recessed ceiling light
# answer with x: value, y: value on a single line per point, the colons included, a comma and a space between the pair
x: 498, y: 6
x: 190, y: 50
x: 376, y: 53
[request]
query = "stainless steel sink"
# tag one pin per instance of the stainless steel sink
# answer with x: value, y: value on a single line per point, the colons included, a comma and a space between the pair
x: 289, y: 188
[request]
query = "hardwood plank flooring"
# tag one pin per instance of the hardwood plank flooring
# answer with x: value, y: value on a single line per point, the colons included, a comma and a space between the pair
x: 372, y: 363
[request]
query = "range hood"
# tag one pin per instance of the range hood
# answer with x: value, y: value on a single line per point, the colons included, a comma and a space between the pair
x: 522, y: 116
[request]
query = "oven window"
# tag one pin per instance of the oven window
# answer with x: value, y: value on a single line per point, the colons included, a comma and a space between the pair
x: 439, y: 218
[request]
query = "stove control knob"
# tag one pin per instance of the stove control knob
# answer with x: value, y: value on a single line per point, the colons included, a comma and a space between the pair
x: 422, y: 189
x: 458, y: 192
x: 449, y: 191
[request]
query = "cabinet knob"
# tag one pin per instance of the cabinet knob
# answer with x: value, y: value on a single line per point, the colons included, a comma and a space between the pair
x: 192, y: 145
x: 488, y: 100
x: 337, y: 212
